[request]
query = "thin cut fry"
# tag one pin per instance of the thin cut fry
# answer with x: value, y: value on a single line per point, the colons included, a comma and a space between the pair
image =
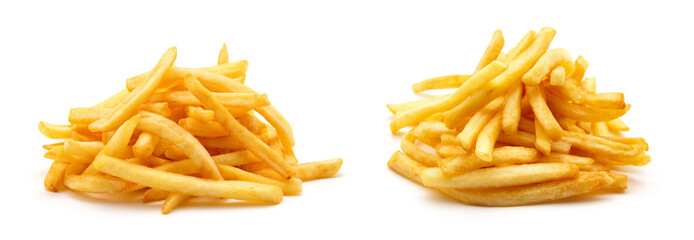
x: 316, y: 170
x: 492, y: 51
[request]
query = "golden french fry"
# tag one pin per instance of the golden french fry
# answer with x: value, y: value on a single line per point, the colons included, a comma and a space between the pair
x: 401, y: 107
x: 223, y: 55
x: 172, y: 201
x: 95, y: 183
x: 418, y: 114
x: 199, y: 113
x: 589, y: 84
x: 557, y: 76
x: 542, y: 112
x: 492, y: 51
x: 542, y: 192
x: 506, y: 176
x: 511, y: 112
x: 600, y: 129
x: 232, y: 70
x: 231, y: 100
x: 430, y: 132
x: 414, y: 152
x: 500, y: 156
x: 600, y: 146
x: 289, y: 187
x: 55, y: 175
x: 567, y: 158
x: 528, y: 140
x: 203, y: 128
x: 620, y: 181
x: 54, y: 131
x: 145, y: 145
x: 52, y: 145
x: 406, y: 167
x: 580, y: 66
x: 172, y: 182
x: 548, y: 61
x: 86, y: 149
x: 443, y: 82
x: 543, y: 142
x: 617, y: 125
x: 238, y: 131
x: 154, y: 195
x: 128, y: 107
x: 316, y: 170
x: 520, y: 47
x: 487, y: 138
x: 58, y: 154
x: 605, y: 100
x: 449, y: 150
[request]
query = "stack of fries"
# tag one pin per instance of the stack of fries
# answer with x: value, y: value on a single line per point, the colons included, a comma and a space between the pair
x: 175, y: 133
x: 525, y: 127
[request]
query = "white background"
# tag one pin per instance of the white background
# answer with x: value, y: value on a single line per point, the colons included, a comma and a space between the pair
x: 330, y: 68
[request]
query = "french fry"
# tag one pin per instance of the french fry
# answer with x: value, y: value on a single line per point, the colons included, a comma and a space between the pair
x: 203, y: 128
x: 500, y: 156
x: 487, y: 138
x: 401, y: 107
x: 316, y: 170
x: 85, y: 149
x: 528, y: 140
x: 145, y: 145
x: 469, y: 134
x: 585, y: 182
x: 580, y: 66
x: 506, y: 176
x: 492, y: 51
x: 414, y: 152
x: 521, y: 46
x: 95, y: 183
x: 199, y: 113
x: 223, y: 55
x: 617, y: 125
x: 291, y: 186
x: 55, y: 175
x: 542, y: 112
x: 443, y: 82
x: 557, y: 76
x: 511, y: 112
x: 406, y: 167
x: 543, y: 142
x: 171, y: 182
x: 54, y: 131
x: 172, y: 201
x: 154, y: 195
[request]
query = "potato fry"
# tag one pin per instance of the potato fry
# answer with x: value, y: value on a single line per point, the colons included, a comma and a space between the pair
x: 542, y: 192
x: 443, y: 82
x: 487, y: 138
x: 316, y: 170
x: 520, y: 47
x: 145, y: 145
x: 542, y: 112
x: 449, y: 150
x: 414, y: 152
x: 231, y: 100
x: 557, y: 76
x: 172, y: 201
x: 55, y: 175
x: 292, y: 186
x: 203, y: 128
x: 500, y: 156
x: 85, y: 149
x: 223, y: 55
x: 95, y: 183
x: 406, y: 167
x: 511, y: 112
x: 567, y: 158
x: 492, y: 51
x: 580, y: 66
x: 54, y: 131
x: 172, y: 182
x: 469, y: 134
x: 543, y: 142
x: 528, y: 140
x: 617, y: 125
x: 401, y: 107
x: 199, y: 113
x: 506, y: 176
x: 154, y: 195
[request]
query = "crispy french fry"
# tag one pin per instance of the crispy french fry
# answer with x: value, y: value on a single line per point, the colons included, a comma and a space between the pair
x: 401, y: 107
x: 469, y: 134
x: 443, y: 82
x: 580, y: 66
x: 617, y: 125
x: 55, y: 175
x: 145, y: 145
x: 406, y: 167
x: 154, y: 195
x: 520, y: 47
x: 231, y: 100
x: 223, y: 55
x: 500, y: 156
x: 542, y: 112
x: 506, y: 176
x: 528, y: 140
x: 449, y: 150
x: 487, y: 138
x: 414, y: 152
x: 54, y: 131
x: 292, y: 186
x: 95, y: 183
x: 492, y: 51
x: 316, y: 170
x: 542, y: 192
x: 511, y: 112
x: 557, y: 76
x: 543, y: 142
x: 567, y: 158
x: 172, y: 182
x: 199, y: 113
x: 86, y: 149
x: 172, y: 201
x: 203, y: 128
x: 600, y: 129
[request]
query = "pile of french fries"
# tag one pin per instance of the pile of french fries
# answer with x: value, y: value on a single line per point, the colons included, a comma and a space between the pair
x: 525, y: 127
x: 177, y: 133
